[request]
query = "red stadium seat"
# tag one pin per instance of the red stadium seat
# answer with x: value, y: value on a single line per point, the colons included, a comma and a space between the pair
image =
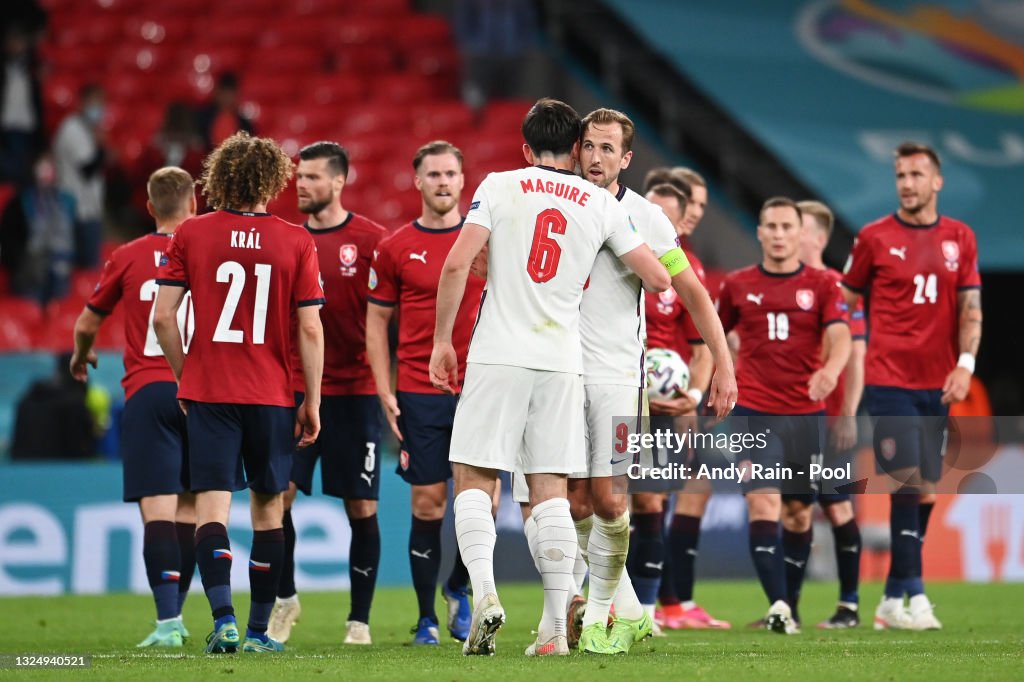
x: 89, y: 28
x: 333, y: 89
x: 238, y: 31
x: 268, y: 90
x: 371, y: 148
x: 400, y: 88
x: 440, y: 63
x: 158, y: 29
x: 289, y: 31
x: 507, y: 113
x: 388, y: 8
x: 417, y: 30
x: 19, y: 318
x: 365, y: 60
x: 266, y: 62
x: 147, y: 59
x: 441, y: 119
x: 213, y: 60
x: 320, y: 8
x: 128, y: 87
x: 363, y: 31
x: 375, y: 118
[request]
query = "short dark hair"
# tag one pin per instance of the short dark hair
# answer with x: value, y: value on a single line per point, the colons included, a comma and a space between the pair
x: 435, y: 148
x: 663, y: 175
x: 551, y: 126
x: 336, y: 155
x: 777, y: 202
x: 670, y: 191
x: 910, y: 148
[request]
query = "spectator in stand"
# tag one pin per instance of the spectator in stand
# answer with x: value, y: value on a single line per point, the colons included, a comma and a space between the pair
x: 79, y: 150
x: 177, y: 143
x: 493, y: 36
x: 21, y: 105
x: 221, y: 118
x: 57, y: 399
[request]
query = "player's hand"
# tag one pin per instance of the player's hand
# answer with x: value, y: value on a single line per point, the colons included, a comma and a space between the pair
x: 307, y: 424
x: 723, y: 392
x: 479, y: 264
x: 821, y: 384
x: 390, y: 404
x: 676, y: 407
x: 957, y: 385
x: 843, y: 433
x: 183, y: 406
x: 78, y: 365
x: 444, y: 367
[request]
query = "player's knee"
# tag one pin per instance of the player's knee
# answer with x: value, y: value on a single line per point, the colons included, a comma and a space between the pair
x: 692, y: 503
x: 266, y: 510
x: 648, y: 503
x: 609, y: 506
x: 764, y: 506
x: 288, y: 497
x: 429, y: 501
x: 796, y: 517
x: 360, y: 509
x: 839, y: 513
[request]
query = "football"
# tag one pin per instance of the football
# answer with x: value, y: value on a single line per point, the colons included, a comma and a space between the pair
x: 668, y: 375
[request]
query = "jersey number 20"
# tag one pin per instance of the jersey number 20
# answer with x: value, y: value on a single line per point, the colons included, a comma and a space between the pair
x: 545, y: 251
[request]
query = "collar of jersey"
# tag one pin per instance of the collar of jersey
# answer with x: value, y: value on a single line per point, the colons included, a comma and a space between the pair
x: 760, y: 266
x: 443, y: 230
x: 621, y: 193
x: 557, y: 170
x: 247, y: 214
x: 913, y: 226
x: 333, y: 228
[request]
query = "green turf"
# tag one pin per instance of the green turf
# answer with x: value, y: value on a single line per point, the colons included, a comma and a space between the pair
x: 983, y: 639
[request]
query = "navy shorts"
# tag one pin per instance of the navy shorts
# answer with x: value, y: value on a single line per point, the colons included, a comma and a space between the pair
x: 426, y: 425
x: 235, y: 446
x: 348, y: 449
x: 154, y: 443
x: 910, y: 429
x: 792, y: 442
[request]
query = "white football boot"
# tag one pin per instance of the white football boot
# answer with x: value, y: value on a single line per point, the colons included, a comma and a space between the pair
x: 488, y: 617
x: 357, y: 633
x: 285, y: 614
x: 780, y: 619
x: 922, y: 614
x: 891, y: 615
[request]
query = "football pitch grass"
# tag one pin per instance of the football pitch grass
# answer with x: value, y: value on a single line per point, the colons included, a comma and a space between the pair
x: 983, y: 639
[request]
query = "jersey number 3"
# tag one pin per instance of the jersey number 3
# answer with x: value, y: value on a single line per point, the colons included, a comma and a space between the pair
x: 545, y: 251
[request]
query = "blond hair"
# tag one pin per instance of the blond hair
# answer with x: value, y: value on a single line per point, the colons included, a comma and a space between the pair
x: 169, y: 190
x: 822, y: 214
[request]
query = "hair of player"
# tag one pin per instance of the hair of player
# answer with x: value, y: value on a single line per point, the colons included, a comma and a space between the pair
x: 690, y: 176
x: 912, y: 148
x: 777, y: 202
x: 336, y: 155
x: 169, y: 190
x: 670, y: 191
x: 435, y: 148
x: 605, y: 116
x: 551, y: 126
x: 245, y: 171
x: 663, y: 175
x: 822, y: 214
x: 89, y: 90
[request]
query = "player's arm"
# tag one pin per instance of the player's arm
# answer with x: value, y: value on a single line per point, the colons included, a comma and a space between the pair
x: 849, y: 295
x: 444, y: 366
x: 86, y: 327
x: 378, y: 352
x: 722, y: 393
x: 836, y: 339
x: 311, y: 352
x: 165, y: 324
x: 653, y: 273
x: 958, y: 382
x: 844, y: 430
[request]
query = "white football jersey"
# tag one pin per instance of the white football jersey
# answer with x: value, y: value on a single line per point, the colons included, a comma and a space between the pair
x: 612, y: 321
x: 546, y: 228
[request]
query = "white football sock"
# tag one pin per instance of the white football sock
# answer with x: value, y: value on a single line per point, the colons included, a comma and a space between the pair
x: 556, y: 552
x: 579, y: 569
x: 627, y: 604
x: 474, y: 529
x: 609, y: 542
x: 530, y: 531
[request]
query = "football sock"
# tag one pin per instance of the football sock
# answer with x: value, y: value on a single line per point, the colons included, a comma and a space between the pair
x: 667, y: 588
x: 625, y: 601
x: 530, y: 531
x: 796, y: 550
x: 363, y: 564
x: 685, y: 533
x: 905, y: 540
x: 924, y: 513
x: 609, y: 540
x: 475, y: 532
x: 579, y: 569
x: 458, y: 579
x: 425, y: 562
x: 649, y: 557
x: 264, y: 575
x: 766, y: 551
x: 213, y: 556
x: 163, y: 566
x: 286, y: 588
x: 556, y: 553
x: 186, y: 533
x: 847, y: 542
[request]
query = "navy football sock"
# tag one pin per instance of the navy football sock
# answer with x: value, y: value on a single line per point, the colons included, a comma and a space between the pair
x: 924, y: 514
x: 649, y: 557
x: 425, y: 562
x: 213, y: 555
x: 186, y: 533
x: 667, y: 589
x: 163, y: 566
x: 458, y: 579
x: 906, y: 542
x: 847, y: 542
x: 286, y: 587
x: 766, y: 551
x: 264, y: 575
x: 797, y: 550
x: 685, y: 532
x: 363, y: 564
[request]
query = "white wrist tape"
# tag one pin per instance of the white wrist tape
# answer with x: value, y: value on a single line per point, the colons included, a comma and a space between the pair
x: 696, y: 394
x: 966, y: 361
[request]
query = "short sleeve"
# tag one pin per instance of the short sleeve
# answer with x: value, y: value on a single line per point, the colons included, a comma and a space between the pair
x: 173, y: 271
x: 619, y: 232
x: 480, y: 209
x: 384, y: 283
x: 108, y: 290
x: 968, y: 275
x: 724, y: 304
x: 661, y: 235
x: 858, y: 323
x: 308, y: 290
x: 857, y: 272
x: 833, y: 305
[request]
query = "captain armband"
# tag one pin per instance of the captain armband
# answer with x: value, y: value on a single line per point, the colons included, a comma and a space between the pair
x: 675, y: 261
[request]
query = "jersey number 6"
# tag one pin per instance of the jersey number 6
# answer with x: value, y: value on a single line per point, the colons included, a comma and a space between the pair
x: 545, y: 251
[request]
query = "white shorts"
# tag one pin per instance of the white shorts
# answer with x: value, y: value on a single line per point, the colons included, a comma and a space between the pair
x: 513, y: 418
x: 612, y: 413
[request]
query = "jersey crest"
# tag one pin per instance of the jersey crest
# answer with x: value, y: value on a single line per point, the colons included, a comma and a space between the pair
x: 805, y: 298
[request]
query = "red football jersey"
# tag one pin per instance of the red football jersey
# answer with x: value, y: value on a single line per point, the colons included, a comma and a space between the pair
x: 911, y: 276
x: 834, y: 401
x: 130, y: 276
x: 246, y: 272
x: 780, y: 319
x: 405, y: 273
x: 668, y: 323
x: 345, y: 252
